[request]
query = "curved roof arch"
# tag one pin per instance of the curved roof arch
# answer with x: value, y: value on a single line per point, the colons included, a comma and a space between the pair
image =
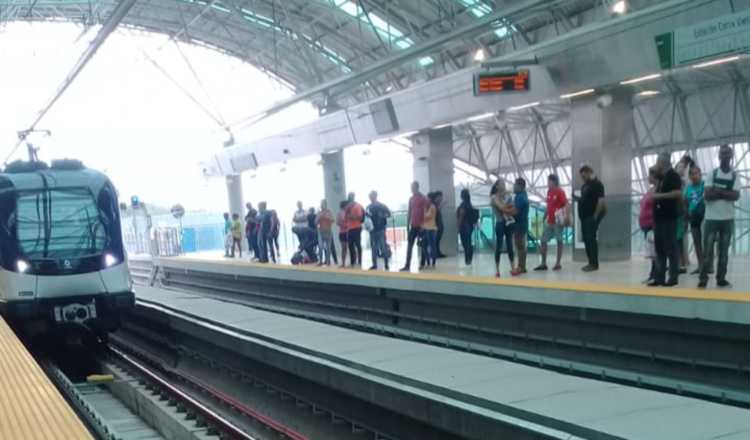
x: 308, y: 42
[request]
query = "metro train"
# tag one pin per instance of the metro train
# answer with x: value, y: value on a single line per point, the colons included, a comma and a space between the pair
x: 62, y: 260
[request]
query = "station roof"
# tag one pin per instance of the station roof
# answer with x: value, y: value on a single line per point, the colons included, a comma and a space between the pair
x: 308, y: 42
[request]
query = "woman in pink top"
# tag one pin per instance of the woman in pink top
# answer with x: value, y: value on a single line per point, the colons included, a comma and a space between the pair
x: 646, y: 214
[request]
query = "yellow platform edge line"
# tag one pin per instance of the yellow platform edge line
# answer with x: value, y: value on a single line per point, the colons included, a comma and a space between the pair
x: 568, y: 286
x: 31, y: 407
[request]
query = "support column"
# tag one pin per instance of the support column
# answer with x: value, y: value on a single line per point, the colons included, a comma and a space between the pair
x: 234, y: 190
x: 334, y: 179
x: 603, y: 139
x: 433, y: 169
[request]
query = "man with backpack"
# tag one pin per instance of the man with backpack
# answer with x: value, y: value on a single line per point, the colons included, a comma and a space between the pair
x: 720, y: 193
x: 378, y: 214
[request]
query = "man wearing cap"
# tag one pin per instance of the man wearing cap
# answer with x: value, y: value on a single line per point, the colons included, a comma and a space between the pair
x: 591, y: 210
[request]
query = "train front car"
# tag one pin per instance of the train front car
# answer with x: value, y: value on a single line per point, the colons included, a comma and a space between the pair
x: 62, y: 261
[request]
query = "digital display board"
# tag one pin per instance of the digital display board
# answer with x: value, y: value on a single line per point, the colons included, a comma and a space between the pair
x: 499, y: 82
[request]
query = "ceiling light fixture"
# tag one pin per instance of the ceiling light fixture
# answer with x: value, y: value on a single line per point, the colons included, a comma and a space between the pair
x: 577, y: 94
x: 521, y: 107
x: 480, y: 117
x: 649, y: 93
x: 640, y: 79
x: 480, y: 55
x: 716, y: 62
x: 620, y: 7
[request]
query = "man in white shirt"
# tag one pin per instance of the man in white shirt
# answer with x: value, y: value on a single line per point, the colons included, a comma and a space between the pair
x: 720, y: 195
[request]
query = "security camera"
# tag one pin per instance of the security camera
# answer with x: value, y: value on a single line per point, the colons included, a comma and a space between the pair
x: 604, y: 101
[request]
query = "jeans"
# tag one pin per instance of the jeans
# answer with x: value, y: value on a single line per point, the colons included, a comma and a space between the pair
x: 439, y: 237
x: 589, y: 226
x: 227, y: 243
x: 716, y: 231
x: 504, y: 232
x: 354, y: 237
x: 265, y: 246
x: 236, y: 243
x: 414, y: 233
x: 325, y: 246
x: 429, y: 247
x: 665, y: 241
x: 379, y: 247
x: 252, y: 242
x: 465, y: 235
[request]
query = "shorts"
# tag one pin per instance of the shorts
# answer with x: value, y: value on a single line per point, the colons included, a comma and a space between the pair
x: 552, y: 231
x: 343, y: 237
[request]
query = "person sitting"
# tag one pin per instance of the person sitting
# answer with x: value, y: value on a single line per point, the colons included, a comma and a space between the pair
x: 307, y: 252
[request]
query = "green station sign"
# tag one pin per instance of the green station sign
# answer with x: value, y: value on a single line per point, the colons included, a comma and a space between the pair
x: 710, y: 38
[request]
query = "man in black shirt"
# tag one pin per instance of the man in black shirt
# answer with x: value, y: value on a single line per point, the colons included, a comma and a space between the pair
x: 667, y: 210
x: 591, y: 210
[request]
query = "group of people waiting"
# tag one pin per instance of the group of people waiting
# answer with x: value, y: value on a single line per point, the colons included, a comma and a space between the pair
x: 261, y: 229
x: 511, y: 211
x: 678, y: 199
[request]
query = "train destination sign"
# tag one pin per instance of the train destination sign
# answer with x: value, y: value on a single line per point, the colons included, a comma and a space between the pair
x: 722, y: 35
x: 499, y: 82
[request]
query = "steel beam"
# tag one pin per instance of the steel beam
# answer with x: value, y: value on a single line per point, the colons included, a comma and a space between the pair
x: 117, y: 15
x: 378, y: 67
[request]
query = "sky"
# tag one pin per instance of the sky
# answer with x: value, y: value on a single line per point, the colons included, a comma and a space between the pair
x: 125, y: 117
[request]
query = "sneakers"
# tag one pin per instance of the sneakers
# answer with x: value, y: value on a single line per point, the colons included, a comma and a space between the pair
x: 589, y: 268
x: 517, y: 272
x: 404, y: 269
x: 702, y: 284
x: 655, y: 283
x: 541, y: 267
x: 557, y: 267
x: 373, y: 268
x: 671, y: 283
x: 497, y: 274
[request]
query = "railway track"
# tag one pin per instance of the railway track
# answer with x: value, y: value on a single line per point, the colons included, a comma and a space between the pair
x: 124, y: 395
x: 132, y: 387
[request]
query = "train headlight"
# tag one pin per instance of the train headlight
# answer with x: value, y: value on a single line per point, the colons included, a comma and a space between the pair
x: 22, y: 266
x: 109, y: 260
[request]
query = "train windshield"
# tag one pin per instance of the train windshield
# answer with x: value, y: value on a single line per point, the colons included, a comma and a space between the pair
x: 60, y: 223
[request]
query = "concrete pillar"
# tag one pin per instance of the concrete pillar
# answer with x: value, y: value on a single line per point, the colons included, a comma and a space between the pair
x: 433, y: 169
x: 234, y: 190
x: 603, y: 139
x: 334, y: 179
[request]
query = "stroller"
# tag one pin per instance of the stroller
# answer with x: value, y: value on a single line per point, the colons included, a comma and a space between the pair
x: 307, y: 252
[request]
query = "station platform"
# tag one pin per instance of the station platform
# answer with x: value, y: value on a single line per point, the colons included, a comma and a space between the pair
x: 31, y: 408
x: 615, y: 287
x: 469, y: 394
x: 629, y: 273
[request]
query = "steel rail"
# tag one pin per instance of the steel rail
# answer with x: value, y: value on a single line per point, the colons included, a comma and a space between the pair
x: 221, y: 423
x: 210, y: 415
